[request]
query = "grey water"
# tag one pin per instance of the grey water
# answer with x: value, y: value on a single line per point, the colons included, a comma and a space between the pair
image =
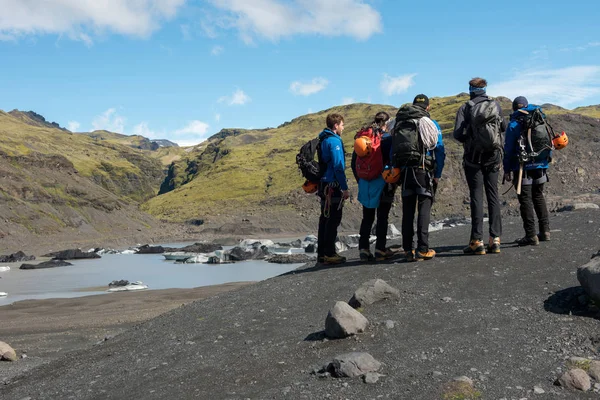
x: 152, y: 269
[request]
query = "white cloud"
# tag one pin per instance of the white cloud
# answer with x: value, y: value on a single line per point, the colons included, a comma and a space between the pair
x: 562, y: 87
x: 348, y: 100
x: 276, y: 19
x: 73, y: 126
x: 109, y: 120
x: 142, y: 129
x: 81, y: 19
x: 217, y: 117
x: 217, y: 50
x: 583, y: 47
x: 237, y: 98
x: 395, y: 85
x: 193, y: 133
x: 308, y: 88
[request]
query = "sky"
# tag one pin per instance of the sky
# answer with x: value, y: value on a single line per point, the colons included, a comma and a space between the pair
x: 184, y: 69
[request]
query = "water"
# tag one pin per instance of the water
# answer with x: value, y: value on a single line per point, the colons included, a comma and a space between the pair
x: 151, y: 269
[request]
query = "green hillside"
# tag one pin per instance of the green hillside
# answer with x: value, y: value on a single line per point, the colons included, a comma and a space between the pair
x: 241, y: 170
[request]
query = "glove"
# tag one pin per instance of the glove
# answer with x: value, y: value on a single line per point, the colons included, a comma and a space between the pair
x: 507, y: 177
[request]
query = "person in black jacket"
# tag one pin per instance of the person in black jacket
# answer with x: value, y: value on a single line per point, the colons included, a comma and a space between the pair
x: 482, y: 169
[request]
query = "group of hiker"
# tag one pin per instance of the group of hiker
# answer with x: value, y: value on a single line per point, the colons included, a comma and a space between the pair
x: 407, y: 153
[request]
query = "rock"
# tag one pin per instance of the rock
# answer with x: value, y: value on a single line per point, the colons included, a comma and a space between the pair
x: 343, y: 321
x: 464, y: 379
x: 241, y: 253
x: 19, y: 256
x: 371, y: 377
x: 352, y: 365
x: 389, y: 324
x: 311, y: 239
x: 7, y: 353
x: 393, y: 232
x: 588, y: 276
x: 147, y: 249
x: 373, y: 291
x: 46, y: 264
x: 311, y: 248
x: 254, y: 243
x: 594, y: 370
x: 575, y: 379
x: 447, y: 299
x: 340, y: 247
x: 538, y: 390
x: 289, y: 258
x: 578, y: 206
x: 122, y: 282
x: 350, y: 241
x: 72, y: 254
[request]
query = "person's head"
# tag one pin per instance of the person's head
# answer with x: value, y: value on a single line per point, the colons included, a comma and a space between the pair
x: 381, y: 118
x: 335, y: 122
x: 422, y: 101
x: 519, y: 102
x: 477, y: 86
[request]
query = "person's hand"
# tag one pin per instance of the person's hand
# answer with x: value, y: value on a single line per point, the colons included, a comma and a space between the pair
x: 507, y: 177
x: 436, y: 181
x: 346, y: 194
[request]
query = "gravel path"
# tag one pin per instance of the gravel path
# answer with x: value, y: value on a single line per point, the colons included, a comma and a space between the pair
x: 507, y: 321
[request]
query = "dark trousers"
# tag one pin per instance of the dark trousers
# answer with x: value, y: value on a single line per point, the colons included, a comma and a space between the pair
x: 329, y: 221
x: 478, y: 178
x: 532, y: 201
x: 410, y: 204
x: 383, y: 212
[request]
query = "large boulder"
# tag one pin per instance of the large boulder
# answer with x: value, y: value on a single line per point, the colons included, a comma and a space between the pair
x: 46, y: 264
x: 588, y: 276
x: 373, y: 291
x: 289, y: 258
x: 575, y: 379
x: 352, y: 365
x: 72, y: 254
x: 7, y: 353
x: 201, y: 248
x: 247, y: 253
x: 343, y: 321
x: 19, y: 256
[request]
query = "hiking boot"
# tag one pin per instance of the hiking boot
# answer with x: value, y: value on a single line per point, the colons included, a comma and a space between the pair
x: 342, y: 257
x: 365, y: 255
x: 425, y: 255
x: 410, y: 256
x: 381, y: 255
x: 528, y: 241
x: 475, y: 247
x: 494, y: 245
x: 334, y: 259
x: 321, y: 259
x: 544, y: 236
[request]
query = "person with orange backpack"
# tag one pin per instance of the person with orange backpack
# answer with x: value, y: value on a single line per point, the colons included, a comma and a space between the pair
x: 372, y: 145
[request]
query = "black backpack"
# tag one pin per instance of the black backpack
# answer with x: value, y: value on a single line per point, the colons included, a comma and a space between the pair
x: 406, y: 141
x: 485, y: 121
x: 310, y: 168
x: 535, y: 142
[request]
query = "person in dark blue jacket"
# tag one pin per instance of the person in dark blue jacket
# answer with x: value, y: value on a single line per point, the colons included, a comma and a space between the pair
x: 376, y: 197
x: 333, y: 189
x: 531, y: 198
x: 419, y: 185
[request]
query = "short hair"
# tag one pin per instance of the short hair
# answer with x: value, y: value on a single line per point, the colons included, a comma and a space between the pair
x: 381, y: 118
x: 333, y: 120
x: 478, y: 82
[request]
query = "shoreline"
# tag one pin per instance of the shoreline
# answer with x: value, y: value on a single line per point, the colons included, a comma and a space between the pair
x: 47, y: 329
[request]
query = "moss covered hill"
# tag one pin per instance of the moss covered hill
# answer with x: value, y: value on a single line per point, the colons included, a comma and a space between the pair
x: 251, y: 175
x: 54, y: 182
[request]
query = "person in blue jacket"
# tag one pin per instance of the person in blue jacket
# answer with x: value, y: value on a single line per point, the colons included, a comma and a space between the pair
x: 419, y: 185
x: 531, y: 199
x: 376, y: 197
x: 333, y: 189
